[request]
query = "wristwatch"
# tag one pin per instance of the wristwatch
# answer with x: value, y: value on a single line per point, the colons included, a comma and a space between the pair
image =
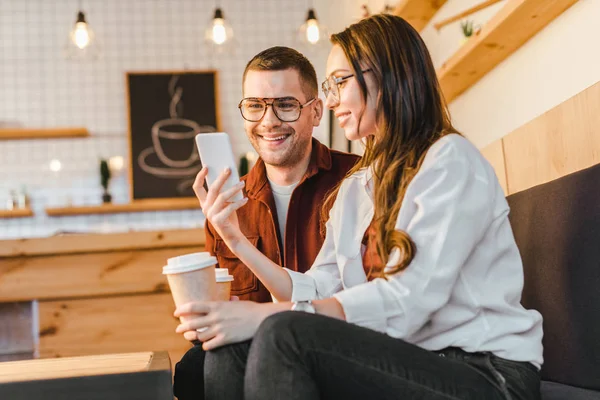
x: 305, y: 305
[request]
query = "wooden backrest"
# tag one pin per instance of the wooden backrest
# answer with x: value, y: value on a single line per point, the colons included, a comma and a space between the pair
x: 564, y: 140
x: 557, y: 230
x: 550, y: 170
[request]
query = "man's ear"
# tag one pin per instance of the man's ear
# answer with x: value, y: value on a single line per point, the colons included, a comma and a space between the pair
x: 318, y: 112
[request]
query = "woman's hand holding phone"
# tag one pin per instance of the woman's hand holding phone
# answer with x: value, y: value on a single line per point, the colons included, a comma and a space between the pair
x: 218, y: 206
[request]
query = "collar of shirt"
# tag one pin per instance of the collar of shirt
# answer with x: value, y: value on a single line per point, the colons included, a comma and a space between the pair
x: 256, y: 180
x: 365, y: 177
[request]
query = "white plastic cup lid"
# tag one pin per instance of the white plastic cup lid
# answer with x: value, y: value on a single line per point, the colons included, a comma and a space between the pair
x: 222, y: 275
x: 189, y: 262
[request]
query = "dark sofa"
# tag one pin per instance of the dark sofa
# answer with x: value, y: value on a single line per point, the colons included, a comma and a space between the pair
x: 557, y: 229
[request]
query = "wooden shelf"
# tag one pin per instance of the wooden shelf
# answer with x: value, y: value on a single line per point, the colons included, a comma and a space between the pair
x: 457, y: 17
x: 515, y: 23
x: 418, y: 12
x: 42, y: 133
x: 78, y: 243
x: 135, y: 206
x: 16, y: 213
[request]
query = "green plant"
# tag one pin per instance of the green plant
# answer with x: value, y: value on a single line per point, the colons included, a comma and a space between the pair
x: 467, y: 28
x: 244, y: 166
x: 104, y: 174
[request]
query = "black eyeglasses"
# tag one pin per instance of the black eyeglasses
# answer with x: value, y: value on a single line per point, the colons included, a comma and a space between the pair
x: 331, y: 85
x: 287, y: 109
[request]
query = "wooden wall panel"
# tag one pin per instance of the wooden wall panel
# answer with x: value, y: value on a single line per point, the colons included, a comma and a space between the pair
x: 494, y: 153
x: 121, y: 324
x: 86, y: 275
x: 565, y: 139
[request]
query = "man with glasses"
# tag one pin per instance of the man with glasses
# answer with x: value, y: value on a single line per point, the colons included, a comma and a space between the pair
x: 285, y: 189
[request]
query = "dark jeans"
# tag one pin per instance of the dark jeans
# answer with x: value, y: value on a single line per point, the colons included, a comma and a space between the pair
x: 188, y: 382
x: 300, y: 356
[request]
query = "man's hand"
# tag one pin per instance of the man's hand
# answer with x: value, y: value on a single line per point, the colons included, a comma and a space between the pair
x: 226, y: 322
x: 216, y: 206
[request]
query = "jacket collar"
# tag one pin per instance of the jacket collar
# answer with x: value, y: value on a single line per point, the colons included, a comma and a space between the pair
x: 320, y: 159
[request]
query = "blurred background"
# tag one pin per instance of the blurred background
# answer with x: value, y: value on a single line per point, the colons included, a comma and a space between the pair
x: 61, y: 72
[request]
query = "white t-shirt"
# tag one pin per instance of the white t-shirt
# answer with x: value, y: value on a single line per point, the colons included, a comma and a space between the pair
x: 282, y: 196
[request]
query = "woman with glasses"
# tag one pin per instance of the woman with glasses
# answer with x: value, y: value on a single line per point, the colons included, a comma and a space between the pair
x: 439, y: 317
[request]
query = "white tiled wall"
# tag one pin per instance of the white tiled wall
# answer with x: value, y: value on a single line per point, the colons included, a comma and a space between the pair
x: 40, y: 88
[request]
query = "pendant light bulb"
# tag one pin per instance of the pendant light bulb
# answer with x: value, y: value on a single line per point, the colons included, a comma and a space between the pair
x: 219, y: 31
x: 219, y: 34
x: 81, y: 43
x: 81, y: 35
x: 313, y: 33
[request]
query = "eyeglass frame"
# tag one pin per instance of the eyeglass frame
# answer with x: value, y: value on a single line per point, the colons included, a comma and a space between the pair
x: 267, y: 104
x: 337, y: 81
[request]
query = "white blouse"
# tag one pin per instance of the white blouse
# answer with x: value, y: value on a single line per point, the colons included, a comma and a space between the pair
x: 463, y: 287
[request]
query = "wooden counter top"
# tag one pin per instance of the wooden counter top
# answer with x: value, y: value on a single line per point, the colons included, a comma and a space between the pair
x: 101, y: 242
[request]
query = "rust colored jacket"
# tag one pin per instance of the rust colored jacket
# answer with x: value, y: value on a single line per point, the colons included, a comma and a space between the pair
x: 258, y: 220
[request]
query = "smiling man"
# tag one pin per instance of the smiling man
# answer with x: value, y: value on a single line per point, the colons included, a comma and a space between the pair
x: 288, y: 184
x: 286, y: 187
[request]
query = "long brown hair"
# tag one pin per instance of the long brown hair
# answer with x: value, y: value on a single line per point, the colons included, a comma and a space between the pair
x: 411, y: 116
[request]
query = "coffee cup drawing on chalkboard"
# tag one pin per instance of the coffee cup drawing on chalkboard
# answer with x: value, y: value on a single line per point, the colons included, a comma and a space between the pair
x: 170, y: 133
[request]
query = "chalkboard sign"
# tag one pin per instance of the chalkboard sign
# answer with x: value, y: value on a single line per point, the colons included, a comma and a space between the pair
x: 166, y: 111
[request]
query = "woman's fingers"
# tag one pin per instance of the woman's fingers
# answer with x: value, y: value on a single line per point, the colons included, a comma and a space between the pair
x: 195, y: 307
x: 190, y: 336
x: 213, y: 343
x: 194, y: 324
x: 198, y: 185
x: 207, y: 334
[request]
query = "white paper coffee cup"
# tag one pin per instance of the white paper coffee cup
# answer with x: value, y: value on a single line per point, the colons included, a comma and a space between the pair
x: 223, y: 280
x: 191, y: 277
x: 189, y: 262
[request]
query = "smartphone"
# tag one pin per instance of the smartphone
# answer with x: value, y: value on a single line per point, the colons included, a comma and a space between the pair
x: 216, y: 154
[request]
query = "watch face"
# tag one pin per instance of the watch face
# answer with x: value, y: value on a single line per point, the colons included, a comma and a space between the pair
x: 304, y: 306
